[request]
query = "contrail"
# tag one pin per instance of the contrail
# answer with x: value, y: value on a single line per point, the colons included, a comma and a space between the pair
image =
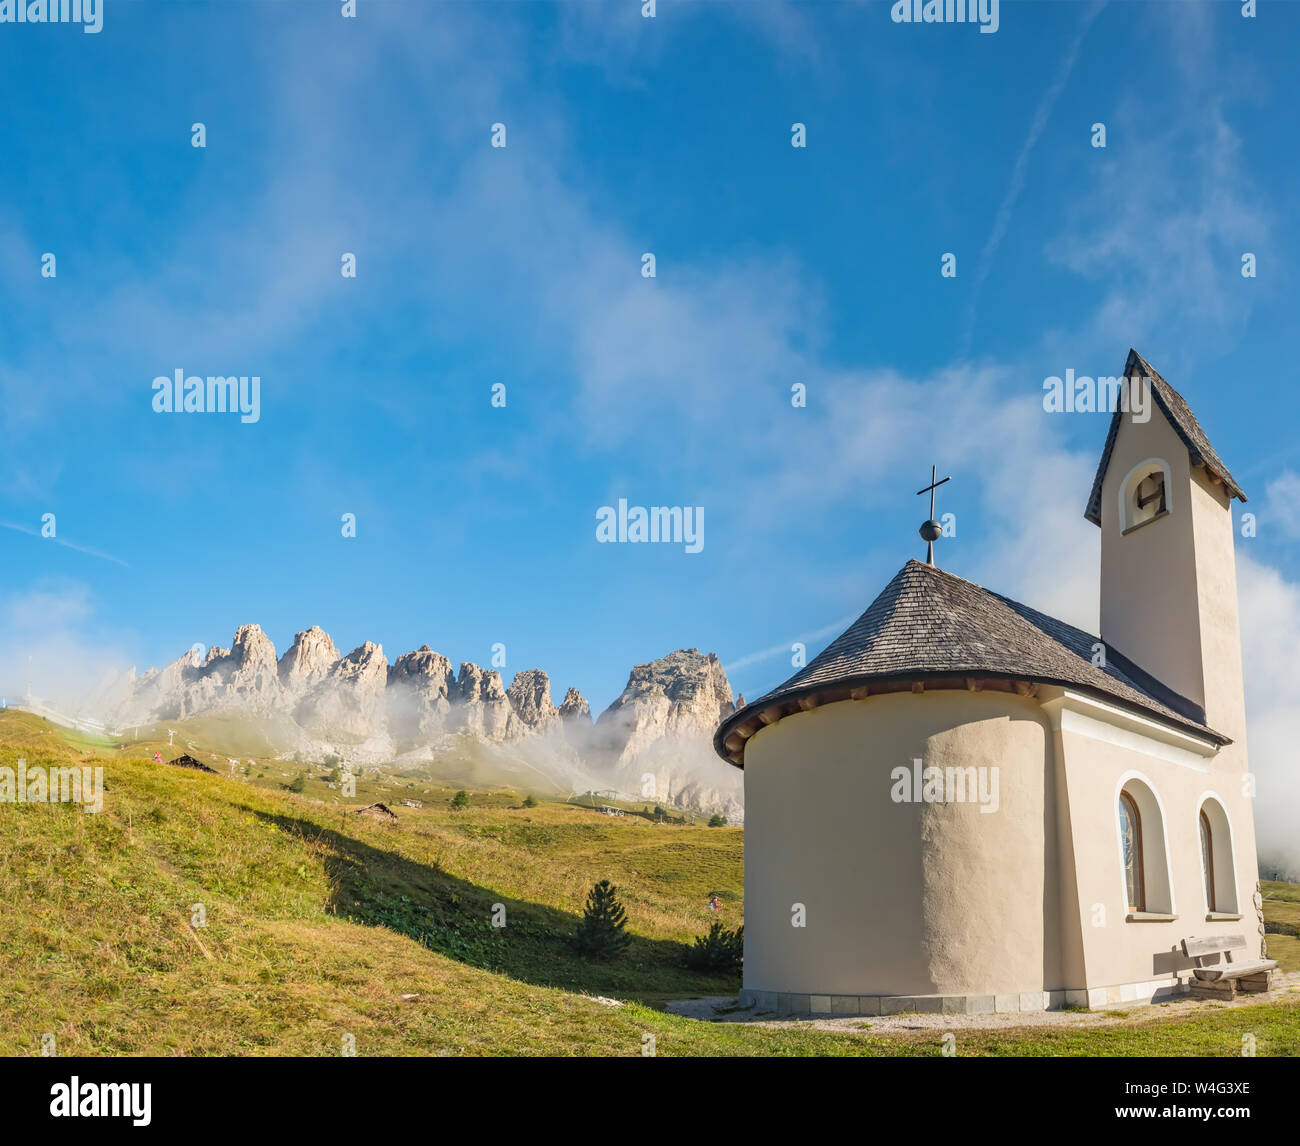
x: 66, y: 544
x: 1002, y: 221
x: 776, y: 650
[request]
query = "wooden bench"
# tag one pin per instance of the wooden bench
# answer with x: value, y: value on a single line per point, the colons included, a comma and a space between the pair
x: 1224, y: 979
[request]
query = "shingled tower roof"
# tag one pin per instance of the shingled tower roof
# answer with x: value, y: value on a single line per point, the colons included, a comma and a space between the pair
x: 932, y: 627
x: 1180, y: 416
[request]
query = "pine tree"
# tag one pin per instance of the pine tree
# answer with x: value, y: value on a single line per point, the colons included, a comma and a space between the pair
x: 601, y: 934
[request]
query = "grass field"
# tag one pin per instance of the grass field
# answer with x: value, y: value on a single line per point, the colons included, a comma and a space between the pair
x: 1282, y: 905
x: 319, y: 925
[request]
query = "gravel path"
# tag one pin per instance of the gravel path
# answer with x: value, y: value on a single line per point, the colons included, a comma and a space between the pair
x: 721, y: 1009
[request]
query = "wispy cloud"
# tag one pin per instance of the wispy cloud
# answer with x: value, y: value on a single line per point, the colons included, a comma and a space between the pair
x: 1164, y: 242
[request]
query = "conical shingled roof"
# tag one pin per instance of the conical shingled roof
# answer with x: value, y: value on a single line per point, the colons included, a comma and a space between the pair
x: 928, y: 623
x: 1179, y: 414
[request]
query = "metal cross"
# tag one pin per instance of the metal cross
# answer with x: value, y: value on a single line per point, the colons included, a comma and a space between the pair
x: 932, y: 529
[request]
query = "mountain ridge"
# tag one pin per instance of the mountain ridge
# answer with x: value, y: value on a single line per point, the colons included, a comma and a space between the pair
x: 652, y: 742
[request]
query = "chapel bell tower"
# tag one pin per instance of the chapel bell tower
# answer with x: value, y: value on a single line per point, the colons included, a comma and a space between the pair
x: 1163, y: 500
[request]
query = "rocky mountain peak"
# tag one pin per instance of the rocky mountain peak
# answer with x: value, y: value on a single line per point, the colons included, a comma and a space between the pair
x: 479, y: 684
x: 421, y: 691
x: 308, y: 661
x: 530, y: 697
x: 484, y: 708
x: 574, y: 707
x: 247, y: 673
x: 425, y: 667
x: 683, y: 694
x: 349, y: 700
x: 364, y: 664
x: 662, y: 726
x: 252, y: 648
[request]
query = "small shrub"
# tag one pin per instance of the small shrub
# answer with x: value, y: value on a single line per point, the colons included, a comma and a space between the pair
x: 460, y: 799
x: 717, y: 820
x: 719, y: 950
x: 529, y: 802
x: 297, y: 784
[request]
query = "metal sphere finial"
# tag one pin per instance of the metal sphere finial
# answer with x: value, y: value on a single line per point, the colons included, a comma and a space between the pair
x: 931, y: 530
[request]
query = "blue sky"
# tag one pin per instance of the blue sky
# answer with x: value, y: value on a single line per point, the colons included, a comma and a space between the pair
x: 479, y: 265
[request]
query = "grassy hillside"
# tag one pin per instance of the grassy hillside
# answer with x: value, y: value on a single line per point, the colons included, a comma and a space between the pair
x: 321, y: 924
x: 1282, y: 905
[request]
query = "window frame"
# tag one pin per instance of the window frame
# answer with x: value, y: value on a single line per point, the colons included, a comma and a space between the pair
x: 1207, y: 860
x: 1135, y: 815
x: 1223, y: 871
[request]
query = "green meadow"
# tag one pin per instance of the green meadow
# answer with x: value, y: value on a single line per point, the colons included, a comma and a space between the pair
x: 203, y: 914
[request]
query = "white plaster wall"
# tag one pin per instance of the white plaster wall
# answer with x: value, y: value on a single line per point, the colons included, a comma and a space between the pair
x: 1149, y: 605
x: 901, y: 898
x: 1116, y: 950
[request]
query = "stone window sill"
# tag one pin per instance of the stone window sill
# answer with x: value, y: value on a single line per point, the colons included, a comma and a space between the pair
x: 1149, y: 917
x: 1222, y: 916
x: 1148, y: 521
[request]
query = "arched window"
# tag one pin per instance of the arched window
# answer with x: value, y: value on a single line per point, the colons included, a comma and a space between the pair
x: 1130, y: 834
x: 1218, y: 868
x: 1207, y: 860
x: 1143, y: 851
x: 1144, y: 494
x: 1149, y: 496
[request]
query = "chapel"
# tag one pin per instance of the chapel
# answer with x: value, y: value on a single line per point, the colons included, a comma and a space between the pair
x: 964, y: 805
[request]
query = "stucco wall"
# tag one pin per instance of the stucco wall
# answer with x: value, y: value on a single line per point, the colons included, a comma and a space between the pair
x: 1149, y: 605
x: 902, y: 898
x: 1118, y: 951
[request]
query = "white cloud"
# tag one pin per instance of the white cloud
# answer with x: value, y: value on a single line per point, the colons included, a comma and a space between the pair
x: 49, y: 636
x: 1282, y: 505
x: 1270, y: 628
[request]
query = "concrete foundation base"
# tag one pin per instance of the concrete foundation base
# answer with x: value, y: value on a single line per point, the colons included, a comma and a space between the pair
x: 830, y: 1006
